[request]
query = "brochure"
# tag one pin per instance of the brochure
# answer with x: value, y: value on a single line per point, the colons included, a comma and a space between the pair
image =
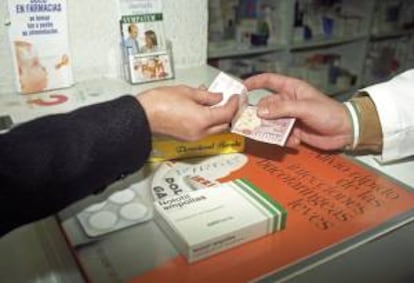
x: 150, y: 67
x: 145, y: 52
x: 38, y: 35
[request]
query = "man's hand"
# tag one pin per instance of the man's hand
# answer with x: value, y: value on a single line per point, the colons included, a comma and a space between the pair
x: 321, y: 121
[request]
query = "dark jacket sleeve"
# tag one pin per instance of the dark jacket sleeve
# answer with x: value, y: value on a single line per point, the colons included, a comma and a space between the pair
x: 50, y: 162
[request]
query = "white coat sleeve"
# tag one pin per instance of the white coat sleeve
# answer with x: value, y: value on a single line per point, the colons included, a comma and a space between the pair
x: 394, y: 101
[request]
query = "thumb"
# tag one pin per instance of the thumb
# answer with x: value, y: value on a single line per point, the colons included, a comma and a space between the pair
x: 226, y: 112
x: 207, y: 98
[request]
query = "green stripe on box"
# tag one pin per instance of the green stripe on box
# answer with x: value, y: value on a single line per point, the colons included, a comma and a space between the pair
x: 273, y: 212
x: 275, y: 217
x: 259, y: 206
x: 270, y: 202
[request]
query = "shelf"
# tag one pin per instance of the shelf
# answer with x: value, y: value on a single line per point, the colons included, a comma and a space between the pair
x: 326, y: 42
x: 392, y: 34
x: 234, y: 49
x: 354, y: 46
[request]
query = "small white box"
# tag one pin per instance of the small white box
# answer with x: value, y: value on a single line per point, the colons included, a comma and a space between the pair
x: 204, y: 222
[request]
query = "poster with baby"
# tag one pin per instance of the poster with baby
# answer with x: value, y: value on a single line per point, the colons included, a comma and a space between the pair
x: 38, y: 35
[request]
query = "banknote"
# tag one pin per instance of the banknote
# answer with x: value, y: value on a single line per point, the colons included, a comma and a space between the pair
x: 274, y: 131
x: 228, y: 86
x: 246, y: 122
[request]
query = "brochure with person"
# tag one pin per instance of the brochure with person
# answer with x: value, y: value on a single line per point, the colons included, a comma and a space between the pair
x: 145, y: 52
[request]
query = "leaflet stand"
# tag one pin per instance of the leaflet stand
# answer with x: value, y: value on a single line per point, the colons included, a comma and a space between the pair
x: 146, y: 53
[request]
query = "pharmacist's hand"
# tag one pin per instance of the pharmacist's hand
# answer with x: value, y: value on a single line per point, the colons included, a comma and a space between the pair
x: 184, y: 113
x: 321, y: 121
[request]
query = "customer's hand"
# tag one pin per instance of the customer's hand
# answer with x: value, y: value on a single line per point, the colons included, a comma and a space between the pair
x: 321, y: 121
x: 184, y: 112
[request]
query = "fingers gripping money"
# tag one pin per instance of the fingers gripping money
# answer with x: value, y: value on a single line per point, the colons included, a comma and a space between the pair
x: 246, y: 122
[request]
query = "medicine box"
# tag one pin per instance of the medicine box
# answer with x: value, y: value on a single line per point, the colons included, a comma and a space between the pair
x: 166, y: 148
x: 204, y: 222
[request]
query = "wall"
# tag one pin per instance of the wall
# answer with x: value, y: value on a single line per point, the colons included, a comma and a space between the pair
x: 94, y: 38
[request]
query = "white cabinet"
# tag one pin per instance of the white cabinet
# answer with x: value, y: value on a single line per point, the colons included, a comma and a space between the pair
x: 339, y: 46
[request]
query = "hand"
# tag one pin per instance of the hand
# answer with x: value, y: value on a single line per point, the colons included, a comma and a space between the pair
x: 321, y: 121
x: 184, y: 112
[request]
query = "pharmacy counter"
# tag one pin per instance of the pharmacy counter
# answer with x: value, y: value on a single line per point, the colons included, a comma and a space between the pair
x: 58, y: 250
